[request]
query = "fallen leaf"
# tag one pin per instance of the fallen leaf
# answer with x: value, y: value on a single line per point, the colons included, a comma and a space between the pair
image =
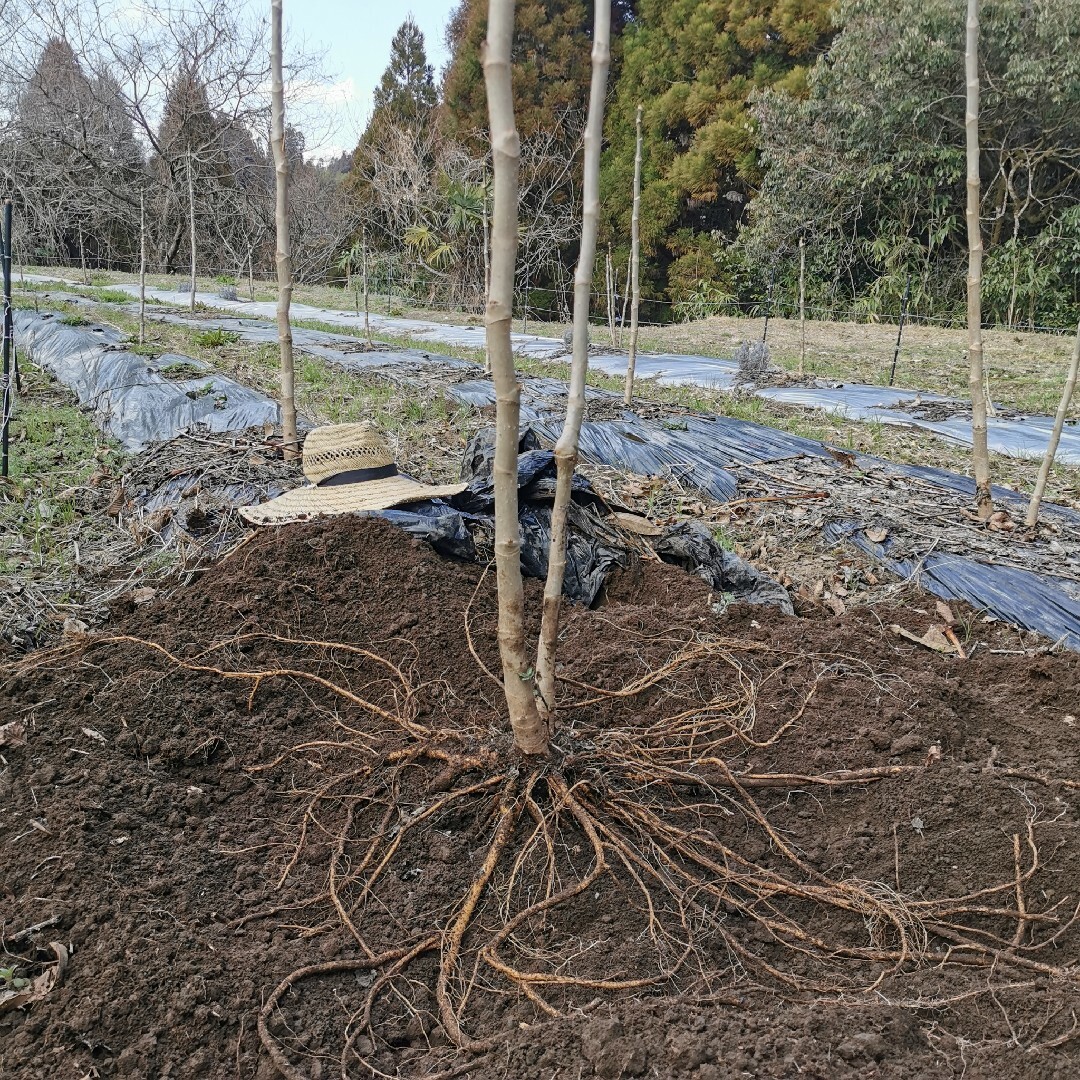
x: 40, y: 986
x: 945, y: 612
x: 876, y: 536
x: 13, y: 733
x: 143, y: 595
x: 90, y: 733
x: 934, y: 639
x: 836, y: 605
x: 637, y: 524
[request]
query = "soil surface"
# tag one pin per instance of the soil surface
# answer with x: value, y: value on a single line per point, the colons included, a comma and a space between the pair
x: 854, y: 856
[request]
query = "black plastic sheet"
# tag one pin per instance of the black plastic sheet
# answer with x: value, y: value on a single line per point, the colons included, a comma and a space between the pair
x: 1040, y: 602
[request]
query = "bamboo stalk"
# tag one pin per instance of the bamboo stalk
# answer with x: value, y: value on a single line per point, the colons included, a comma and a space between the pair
x: 635, y: 267
x: 530, y: 733
x: 566, y: 449
x: 980, y: 457
x: 1055, y: 436
x: 289, y: 443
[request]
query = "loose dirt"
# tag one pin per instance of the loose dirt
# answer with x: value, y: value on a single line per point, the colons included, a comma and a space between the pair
x: 853, y: 857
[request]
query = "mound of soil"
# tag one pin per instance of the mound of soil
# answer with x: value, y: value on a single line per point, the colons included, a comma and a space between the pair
x: 256, y: 815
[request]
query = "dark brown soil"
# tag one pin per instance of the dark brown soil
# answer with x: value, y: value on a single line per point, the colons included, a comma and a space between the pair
x: 153, y: 817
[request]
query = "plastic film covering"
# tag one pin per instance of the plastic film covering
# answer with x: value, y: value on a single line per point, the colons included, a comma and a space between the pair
x: 133, y: 398
x: 1040, y: 602
x: 1012, y: 434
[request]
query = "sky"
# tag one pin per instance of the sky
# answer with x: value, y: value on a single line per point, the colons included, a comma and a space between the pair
x: 355, y: 41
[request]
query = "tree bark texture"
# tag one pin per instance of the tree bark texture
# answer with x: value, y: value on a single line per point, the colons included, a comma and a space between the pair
x: 635, y: 267
x: 1055, y: 436
x: 289, y: 442
x: 566, y: 449
x: 980, y: 458
x: 530, y: 732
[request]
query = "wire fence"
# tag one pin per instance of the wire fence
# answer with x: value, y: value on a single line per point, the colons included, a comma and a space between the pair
x: 398, y: 290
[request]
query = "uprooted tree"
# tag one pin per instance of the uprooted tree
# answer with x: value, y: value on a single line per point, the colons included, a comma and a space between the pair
x: 636, y: 809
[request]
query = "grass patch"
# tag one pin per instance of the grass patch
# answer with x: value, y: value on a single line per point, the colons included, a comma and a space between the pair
x: 181, y: 370
x: 74, y: 319
x: 215, y: 338
x: 56, y: 454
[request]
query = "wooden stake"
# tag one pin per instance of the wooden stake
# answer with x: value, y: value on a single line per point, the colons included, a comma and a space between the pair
x: 635, y: 267
x: 191, y: 224
x: 142, y: 267
x: 566, y: 449
x: 367, y: 306
x: 802, y: 307
x: 1032, y: 518
x: 530, y: 733
x: 609, y: 282
x: 980, y: 457
x: 290, y: 444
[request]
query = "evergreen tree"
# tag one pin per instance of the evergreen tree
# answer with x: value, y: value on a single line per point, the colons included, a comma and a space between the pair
x: 406, y: 92
x: 551, y: 58
x: 694, y: 65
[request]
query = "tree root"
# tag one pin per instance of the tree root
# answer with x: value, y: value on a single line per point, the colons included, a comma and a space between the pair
x: 646, y: 814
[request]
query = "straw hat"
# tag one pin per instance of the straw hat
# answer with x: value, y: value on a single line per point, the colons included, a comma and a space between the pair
x: 350, y: 469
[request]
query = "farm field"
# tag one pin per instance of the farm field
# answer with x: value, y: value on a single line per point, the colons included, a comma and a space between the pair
x: 572, y: 573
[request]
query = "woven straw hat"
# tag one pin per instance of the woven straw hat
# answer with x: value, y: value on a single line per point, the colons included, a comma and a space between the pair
x: 350, y: 469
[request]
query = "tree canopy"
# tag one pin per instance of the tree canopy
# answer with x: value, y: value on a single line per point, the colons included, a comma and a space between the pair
x: 406, y: 93
x: 869, y: 165
x: 694, y: 66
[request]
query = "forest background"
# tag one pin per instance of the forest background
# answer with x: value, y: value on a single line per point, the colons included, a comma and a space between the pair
x: 839, y: 125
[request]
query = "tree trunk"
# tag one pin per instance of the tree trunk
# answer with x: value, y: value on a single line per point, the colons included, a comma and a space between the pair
x: 1055, y: 436
x: 290, y: 446
x: 487, y: 273
x: 566, y: 449
x: 142, y: 267
x: 625, y: 300
x: 530, y: 733
x: 635, y: 267
x: 191, y: 224
x: 980, y: 458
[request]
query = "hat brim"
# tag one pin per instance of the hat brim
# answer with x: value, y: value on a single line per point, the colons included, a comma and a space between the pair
x: 308, y: 503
